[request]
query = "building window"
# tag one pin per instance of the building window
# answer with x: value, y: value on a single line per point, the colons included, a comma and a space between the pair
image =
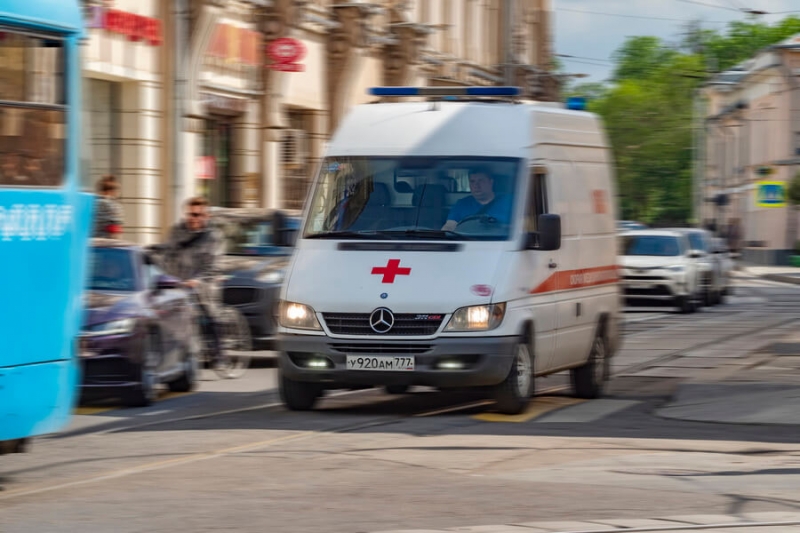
x: 217, y: 141
x: 102, y: 153
x: 296, y: 160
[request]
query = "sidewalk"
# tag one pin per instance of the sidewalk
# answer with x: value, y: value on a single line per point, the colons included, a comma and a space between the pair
x: 783, y: 274
x: 761, y: 387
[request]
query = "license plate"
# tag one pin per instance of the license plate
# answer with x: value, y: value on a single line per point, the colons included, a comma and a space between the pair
x: 386, y: 363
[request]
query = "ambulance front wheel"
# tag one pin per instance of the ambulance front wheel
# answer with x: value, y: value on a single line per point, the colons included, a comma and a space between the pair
x: 514, y: 393
x: 298, y: 395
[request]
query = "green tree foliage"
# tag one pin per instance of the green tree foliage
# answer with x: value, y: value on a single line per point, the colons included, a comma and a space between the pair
x: 648, y: 111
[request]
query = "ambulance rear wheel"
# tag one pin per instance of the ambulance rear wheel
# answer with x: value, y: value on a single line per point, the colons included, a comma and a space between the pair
x: 514, y: 393
x: 298, y: 395
x: 588, y: 381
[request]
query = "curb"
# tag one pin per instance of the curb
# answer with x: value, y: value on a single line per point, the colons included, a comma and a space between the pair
x: 630, y: 525
x: 782, y: 278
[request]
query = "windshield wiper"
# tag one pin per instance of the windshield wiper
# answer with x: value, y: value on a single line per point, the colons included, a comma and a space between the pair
x: 347, y: 235
x: 431, y: 233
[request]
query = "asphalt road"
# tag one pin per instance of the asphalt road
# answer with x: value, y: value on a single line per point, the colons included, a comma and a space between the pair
x: 228, y: 457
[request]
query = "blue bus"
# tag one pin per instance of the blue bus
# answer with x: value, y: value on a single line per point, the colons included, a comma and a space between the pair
x: 44, y: 217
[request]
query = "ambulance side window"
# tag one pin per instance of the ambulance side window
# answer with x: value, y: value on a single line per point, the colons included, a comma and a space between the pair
x: 537, y: 199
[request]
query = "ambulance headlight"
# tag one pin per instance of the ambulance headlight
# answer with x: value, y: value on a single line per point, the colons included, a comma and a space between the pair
x: 477, y: 318
x: 297, y: 316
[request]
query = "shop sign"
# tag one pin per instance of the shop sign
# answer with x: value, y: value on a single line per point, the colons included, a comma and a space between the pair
x: 223, y: 104
x: 137, y: 28
x: 234, y: 45
x: 285, y: 54
x: 771, y: 194
x: 206, y: 167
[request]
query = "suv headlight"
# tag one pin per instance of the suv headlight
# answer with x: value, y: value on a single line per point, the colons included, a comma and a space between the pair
x: 477, y: 318
x: 297, y: 316
x: 677, y: 268
x: 272, y: 276
x: 115, y: 327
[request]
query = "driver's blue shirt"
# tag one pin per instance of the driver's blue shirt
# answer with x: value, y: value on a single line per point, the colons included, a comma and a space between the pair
x: 500, y: 209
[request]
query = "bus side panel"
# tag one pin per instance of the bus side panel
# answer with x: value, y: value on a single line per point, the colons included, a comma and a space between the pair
x: 42, y: 277
x: 43, y: 244
x: 42, y: 398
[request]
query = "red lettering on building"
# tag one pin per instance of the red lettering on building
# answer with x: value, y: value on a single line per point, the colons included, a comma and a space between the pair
x: 136, y: 28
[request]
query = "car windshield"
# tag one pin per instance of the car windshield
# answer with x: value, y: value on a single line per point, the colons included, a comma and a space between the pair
x: 657, y: 245
x: 697, y: 242
x: 249, y: 237
x: 112, y: 270
x: 452, y: 198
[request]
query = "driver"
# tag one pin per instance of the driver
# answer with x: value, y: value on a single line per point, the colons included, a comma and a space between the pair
x: 483, y: 201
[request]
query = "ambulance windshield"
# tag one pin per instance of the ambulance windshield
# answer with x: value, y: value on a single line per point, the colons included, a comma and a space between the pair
x: 408, y: 198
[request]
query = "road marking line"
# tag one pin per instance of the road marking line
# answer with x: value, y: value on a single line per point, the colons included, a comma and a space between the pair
x: 462, y: 407
x: 163, y: 395
x: 157, y: 465
x: 538, y: 407
x: 93, y: 410
x: 587, y: 412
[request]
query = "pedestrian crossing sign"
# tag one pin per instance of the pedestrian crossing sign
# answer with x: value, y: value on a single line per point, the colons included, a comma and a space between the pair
x: 771, y: 194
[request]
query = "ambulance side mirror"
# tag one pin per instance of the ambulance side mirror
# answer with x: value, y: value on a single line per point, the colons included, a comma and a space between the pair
x: 549, y: 234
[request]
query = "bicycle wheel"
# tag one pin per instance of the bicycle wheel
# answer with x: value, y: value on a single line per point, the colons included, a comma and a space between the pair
x: 235, y: 343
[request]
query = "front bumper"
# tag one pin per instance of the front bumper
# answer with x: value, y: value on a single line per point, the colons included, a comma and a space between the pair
x: 110, y: 362
x: 256, y: 302
x: 654, y: 286
x: 487, y: 361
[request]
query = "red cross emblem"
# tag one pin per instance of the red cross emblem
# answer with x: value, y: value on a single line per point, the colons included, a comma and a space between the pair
x: 391, y: 270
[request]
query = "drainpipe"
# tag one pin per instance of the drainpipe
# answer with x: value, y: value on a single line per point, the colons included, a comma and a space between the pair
x: 508, y: 43
x: 181, y: 16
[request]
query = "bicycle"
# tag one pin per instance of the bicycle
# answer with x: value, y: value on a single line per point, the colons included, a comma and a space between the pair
x: 234, y: 332
x: 234, y: 341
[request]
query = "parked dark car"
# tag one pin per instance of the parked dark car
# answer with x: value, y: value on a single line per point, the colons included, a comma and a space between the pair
x: 138, y: 328
x: 259, y: 246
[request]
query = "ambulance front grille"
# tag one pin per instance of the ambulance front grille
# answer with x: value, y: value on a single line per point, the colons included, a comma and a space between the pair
x: 404, y: 324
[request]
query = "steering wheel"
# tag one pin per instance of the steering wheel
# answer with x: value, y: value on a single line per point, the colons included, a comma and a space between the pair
x: 486, y: 219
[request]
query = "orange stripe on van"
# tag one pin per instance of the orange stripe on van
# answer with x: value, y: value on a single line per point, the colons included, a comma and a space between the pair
x: 578, y: 279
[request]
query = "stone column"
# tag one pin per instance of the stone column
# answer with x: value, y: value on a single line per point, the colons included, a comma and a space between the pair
x: 244, y: 154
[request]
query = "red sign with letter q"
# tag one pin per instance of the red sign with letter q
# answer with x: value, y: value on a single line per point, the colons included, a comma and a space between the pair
x: 285, y: 54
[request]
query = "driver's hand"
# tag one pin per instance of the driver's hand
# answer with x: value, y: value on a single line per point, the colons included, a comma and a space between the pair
x: 192, y: 283
x: 450, y: 225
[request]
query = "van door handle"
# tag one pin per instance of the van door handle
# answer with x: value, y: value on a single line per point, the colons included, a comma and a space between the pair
x: 552, y: 264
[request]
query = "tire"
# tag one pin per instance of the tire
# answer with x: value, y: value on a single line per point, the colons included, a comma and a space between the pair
x: 685, y: 304
x: 298, y: 395
x: 188, y: 380
x: 514, y: 393
x: 397, y: 389
x: 588, y: 381
x: 145, y: 393
x: 235, y: 334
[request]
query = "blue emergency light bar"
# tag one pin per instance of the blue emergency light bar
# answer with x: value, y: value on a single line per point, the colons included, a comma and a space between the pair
x: 576, y: 103
x: 444, y: 91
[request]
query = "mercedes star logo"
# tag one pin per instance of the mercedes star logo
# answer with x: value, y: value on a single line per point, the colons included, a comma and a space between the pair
x: 381, y: 320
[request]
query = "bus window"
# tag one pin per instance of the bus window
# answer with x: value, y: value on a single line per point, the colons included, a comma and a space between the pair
x: 32, y: 110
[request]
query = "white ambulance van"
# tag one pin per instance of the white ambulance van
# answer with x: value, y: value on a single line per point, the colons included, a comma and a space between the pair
x: 462, y: 243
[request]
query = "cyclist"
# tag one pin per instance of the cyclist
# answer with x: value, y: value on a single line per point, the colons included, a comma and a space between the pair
x: 192, y: 255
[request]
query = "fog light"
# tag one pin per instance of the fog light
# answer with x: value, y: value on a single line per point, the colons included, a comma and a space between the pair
x: 450, y: 365
x: 317, y: 362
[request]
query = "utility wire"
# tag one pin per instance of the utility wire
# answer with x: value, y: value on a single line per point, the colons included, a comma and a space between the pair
x: 710, y: 5
x: 628, y: 16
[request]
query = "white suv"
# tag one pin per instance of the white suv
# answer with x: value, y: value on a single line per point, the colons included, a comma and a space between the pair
x: 660, y: 265
x: 712, y: 284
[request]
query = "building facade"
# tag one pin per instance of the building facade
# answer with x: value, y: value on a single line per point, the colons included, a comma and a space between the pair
x: 751, y: 150
x: 235, y: 99
x: 124, y: 99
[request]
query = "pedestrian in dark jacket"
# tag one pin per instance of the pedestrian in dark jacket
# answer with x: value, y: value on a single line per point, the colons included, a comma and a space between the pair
x: 108, y: 210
